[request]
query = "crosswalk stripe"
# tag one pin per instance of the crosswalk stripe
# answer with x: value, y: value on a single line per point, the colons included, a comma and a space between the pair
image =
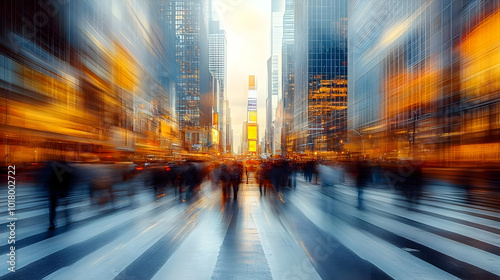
x: 397, y: 263
x: 465, y: 230
x: 460, y: 251
x: 278, y: 241
x: 200, y: 247
x: 36, y: 254
x: 459, y: 234
x: 120, y: 252
x: 452, y: 248
x: 488, y: 224
x: 155, y: 257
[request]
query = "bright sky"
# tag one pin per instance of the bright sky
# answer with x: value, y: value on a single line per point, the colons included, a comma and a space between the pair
x: 248, y: 31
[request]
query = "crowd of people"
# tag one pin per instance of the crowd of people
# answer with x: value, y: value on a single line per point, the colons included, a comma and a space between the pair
x: 106, y: 183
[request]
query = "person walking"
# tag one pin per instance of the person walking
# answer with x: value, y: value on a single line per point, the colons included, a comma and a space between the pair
x: 362, y: 178
x: 261, y: 176
x: 58, y: 183
x: 225, y: 179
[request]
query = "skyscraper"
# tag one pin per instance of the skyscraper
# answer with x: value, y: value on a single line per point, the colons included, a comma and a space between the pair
x: 276, y: 41
x: 269, y: 108
x: 218, y: 65
x: 252, y: 133
x: 191, y: 55
x: 287, y: 80
x: 320, y: 98
x: 229, y: 128
x: 421, y: 78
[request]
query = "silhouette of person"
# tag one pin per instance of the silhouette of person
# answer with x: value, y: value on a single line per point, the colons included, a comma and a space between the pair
x: 59, y: 182
x: 363, y: 175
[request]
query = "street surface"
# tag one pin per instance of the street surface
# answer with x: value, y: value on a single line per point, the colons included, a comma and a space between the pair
x: 311, y: 232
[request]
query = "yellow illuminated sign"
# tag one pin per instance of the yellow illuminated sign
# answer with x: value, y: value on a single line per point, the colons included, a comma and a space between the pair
x: 165, y: 129
x: 252, y: 116
x: 252, y: 132
x: 216, y: 120
x: 215, y: 136
x: 252, y: 146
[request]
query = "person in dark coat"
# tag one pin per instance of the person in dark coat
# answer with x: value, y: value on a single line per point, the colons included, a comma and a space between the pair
x: 159, y: 180
x: 236, y: 174
x: 309, y: 170
x: 261, y: 177
x: 193, y: 179
x: 362, y: 178
x: 415, y: 184
x: 225, y: 179
x: 59, y: 181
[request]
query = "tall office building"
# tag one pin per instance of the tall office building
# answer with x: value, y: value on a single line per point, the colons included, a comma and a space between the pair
x: 209, y: 116
x: 229, y: 129
x: 92, y: 67
x: 279, y: 147
x: 320, y: 96
x: 287, y: 80
x: 269, y: 108
x: 276, y: 42
x: 191, y: 54
x: 274, y: 71
x: 421, y: 77
x: 218, y: 65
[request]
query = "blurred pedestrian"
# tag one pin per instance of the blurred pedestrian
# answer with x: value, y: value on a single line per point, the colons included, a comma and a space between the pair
x: 362, y: 178
x: 309, y: 170
x: 59, y: 181
x: 236, y: 175
x: 214, y: 174
x: 315, y: 172
x: 159, y: 181
x: 225, y: 179
x: 246, y: 172
x: 261, y: 177
x: 193, y: 179
x: 415, y: 184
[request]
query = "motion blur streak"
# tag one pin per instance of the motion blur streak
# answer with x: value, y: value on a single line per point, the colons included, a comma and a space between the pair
x: 380, y: 157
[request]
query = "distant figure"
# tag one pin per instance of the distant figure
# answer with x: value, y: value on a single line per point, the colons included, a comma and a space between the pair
x: 309, y: 170
x: 275, y: 176
x: 465, y: 180
x: 59, y: 181
x: 261, y: 177
x: 214, y: 174
x: 159, y: 180
x: 236, y: 174
x: 225, y: 179
x: 193, y: 179
x: 246, y: 172
x: 415, y: 184
x: 293, y: 174
x: 362, y: 178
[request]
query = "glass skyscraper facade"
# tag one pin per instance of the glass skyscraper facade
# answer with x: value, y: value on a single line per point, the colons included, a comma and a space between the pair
x: 217, y: 64
x: 90, y: 76
x: 320, y: 98
x: 417, y: 88
x: 187, y: 17
x: 192, y: 56
x: 287, y: 65
x: 276, y: 93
